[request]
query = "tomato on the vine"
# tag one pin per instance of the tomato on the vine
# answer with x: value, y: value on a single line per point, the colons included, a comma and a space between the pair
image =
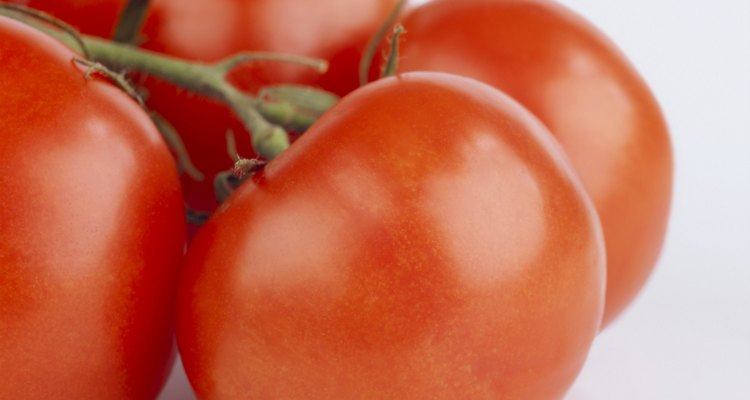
x: 208, y: 30
x: 588, y: 94
x: 424, y: 239
x: 92, y: 231
x: 333, y: 30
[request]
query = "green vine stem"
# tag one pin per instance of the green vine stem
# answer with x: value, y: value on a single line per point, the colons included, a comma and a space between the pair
x: 391, y: 63
x: 131, y: 21
x: 225, y: 182
x: 372, y: 47
x: 173, y: 139
x: 209, y: 79
x: 302, y: 101
x: 118, y: 79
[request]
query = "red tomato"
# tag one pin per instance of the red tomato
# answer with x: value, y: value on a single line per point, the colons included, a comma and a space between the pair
x: 92, y: 231
x: 425, y: 239
x: 334, y: 30
x: 580, y: 85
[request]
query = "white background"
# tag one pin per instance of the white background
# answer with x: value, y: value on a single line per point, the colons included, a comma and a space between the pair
x: 688, y: 335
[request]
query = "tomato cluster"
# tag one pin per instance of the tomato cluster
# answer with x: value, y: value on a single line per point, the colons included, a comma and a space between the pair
x: 462, y: 229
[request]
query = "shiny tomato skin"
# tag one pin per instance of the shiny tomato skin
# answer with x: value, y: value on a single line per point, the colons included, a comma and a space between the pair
x: 425, y: 239
x: 92, y: 231
x: 583, y: 88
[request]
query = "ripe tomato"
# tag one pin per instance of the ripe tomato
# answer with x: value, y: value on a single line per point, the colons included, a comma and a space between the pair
x: 580, y: 85
x: 425, y: 239
x: 92, y: 231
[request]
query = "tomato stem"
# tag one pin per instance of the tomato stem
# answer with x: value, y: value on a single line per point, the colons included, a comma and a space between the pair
x: 174, y: 140
x: 294, y: 106
x: 391, y: 63
x: 131, y: 21
x: 195, y: 217
x: 247, y: 166
x: 209, y: 79
x: 225, y: 183
x: 116, y: 78
x: 268, y: 139
x: 372, y: 47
